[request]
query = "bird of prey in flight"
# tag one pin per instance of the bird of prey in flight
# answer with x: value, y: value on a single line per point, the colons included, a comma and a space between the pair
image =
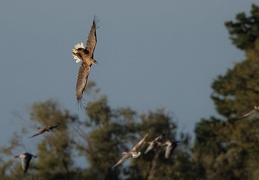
x: 44, y: 130
x: 133, y: 153
x: 85, y: 55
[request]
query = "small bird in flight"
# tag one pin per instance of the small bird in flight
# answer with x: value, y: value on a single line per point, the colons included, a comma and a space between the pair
x: 170, y: 147
x: 44, y: 130
x: 133, y: 153
x: 25, y: 159
x: 155, y: 143
x: 254, y: 113
x: 86, y: 56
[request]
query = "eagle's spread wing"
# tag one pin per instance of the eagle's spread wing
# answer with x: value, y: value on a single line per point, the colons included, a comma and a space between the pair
x: 82, y: 77
x: 92, y: 39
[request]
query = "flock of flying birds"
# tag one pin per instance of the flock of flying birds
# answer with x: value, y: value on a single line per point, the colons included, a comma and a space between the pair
x: 157, y: 142
x: 85, y: 55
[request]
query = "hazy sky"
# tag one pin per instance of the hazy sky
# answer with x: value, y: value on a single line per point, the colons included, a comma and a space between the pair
x: 151, y: 54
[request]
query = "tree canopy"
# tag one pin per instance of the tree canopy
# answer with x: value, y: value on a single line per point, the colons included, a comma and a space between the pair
x: 228, y: 147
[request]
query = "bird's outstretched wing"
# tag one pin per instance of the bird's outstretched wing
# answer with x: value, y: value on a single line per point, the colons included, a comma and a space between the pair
x: 82, y: 77
x: 171, y: 145
x: 92, y: 38
x: 40, y: 131
x: 169, y: 149
x: 151, y: 146
x: 52, y: 127
x: 156, y: 142
x: 26, y: 163
x: 248, y: 114
x: 137, y: 146
x: 124, y: 158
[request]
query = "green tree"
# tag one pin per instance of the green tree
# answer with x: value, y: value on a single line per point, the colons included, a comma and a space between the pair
x: 227, y: 148
x: 54, y: 151
x: 151, y: 165
x: 107, y: 132
x: 244, y: 32
x: 100, y: 139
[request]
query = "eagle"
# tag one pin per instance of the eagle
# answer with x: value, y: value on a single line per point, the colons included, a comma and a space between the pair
x: 85, y: 55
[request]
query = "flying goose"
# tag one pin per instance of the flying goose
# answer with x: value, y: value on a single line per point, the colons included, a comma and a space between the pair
x: 44, y: 130
x: 25, y: 159
x: 170, y: 147
x: 155, y: 143
x: 133, y: 153
x: 86, y: 56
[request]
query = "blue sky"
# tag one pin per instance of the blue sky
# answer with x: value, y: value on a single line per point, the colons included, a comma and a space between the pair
x: 151, y: 54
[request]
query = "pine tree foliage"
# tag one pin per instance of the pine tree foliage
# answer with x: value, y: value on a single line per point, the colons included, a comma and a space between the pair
x: 244, y: 32
x: 228, y: 148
